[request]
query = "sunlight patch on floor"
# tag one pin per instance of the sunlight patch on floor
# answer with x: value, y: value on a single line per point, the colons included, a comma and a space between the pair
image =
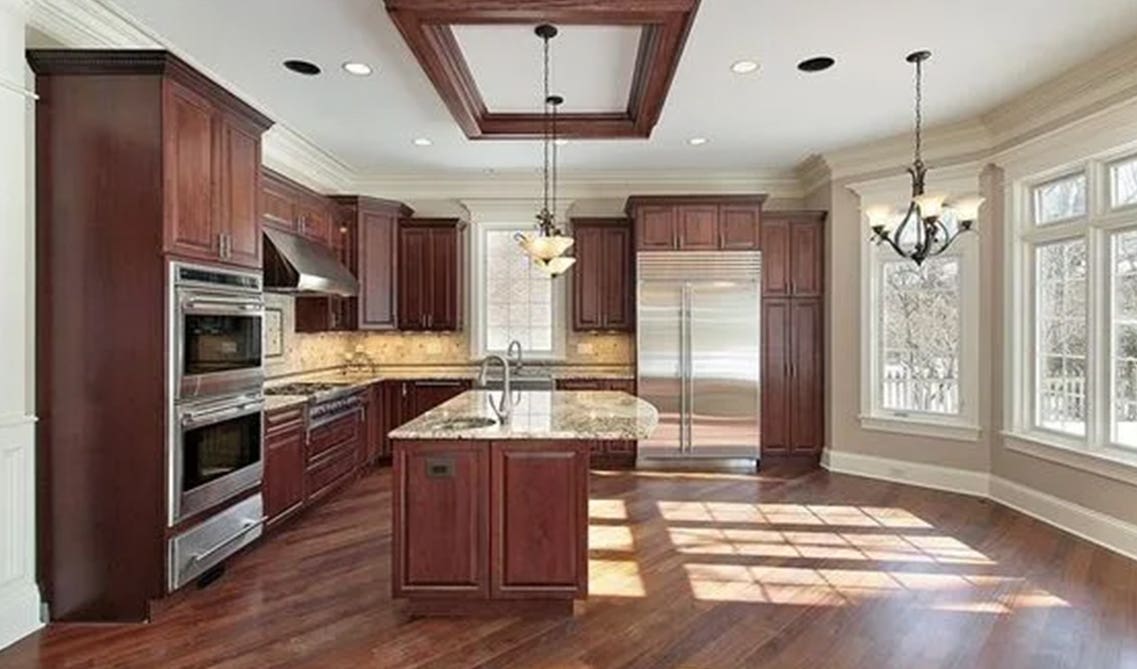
x: 615, y: 578
x: 607, y: 509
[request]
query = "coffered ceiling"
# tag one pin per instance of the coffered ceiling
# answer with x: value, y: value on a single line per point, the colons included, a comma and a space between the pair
x: 984, y: 53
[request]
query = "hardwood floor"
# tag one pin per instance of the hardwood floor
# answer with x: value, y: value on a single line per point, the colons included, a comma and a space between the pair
x: 789, y: 569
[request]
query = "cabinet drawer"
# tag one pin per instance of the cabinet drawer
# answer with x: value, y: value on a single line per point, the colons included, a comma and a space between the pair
x: 329, y: 471
x: 283, y: 420
x: 346, y: 430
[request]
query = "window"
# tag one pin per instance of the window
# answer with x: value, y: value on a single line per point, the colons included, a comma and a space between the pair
x: 919, y: 360
x: 1060, y: 200
x: 1123, y: 183
x: 1074, y: 335
x: 1060, y: 339
x: 920, y: 335
x: 513, y: 299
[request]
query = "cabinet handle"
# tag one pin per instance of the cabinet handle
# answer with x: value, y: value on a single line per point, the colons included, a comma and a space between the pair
x: 404, y: 384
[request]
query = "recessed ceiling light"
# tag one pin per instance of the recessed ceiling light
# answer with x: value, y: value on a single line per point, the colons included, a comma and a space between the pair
x: 560, y: 142
x: 422, y: 141
x: 302, y: 67
x: 358, y: 69
x: 744, y: 67
x: 697, y: 141
x: 816, y: 64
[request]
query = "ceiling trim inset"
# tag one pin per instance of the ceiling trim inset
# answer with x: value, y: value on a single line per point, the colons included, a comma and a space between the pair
x: 425, y: 26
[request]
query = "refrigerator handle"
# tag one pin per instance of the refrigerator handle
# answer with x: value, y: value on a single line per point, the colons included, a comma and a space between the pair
x: 688, y: 383
x: 683, y: 369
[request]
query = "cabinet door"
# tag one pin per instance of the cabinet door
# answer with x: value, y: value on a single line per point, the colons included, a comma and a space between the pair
x: 315, y: 221
x: 698, y: 227
x: 429, y: 393
x: 378, y: 238
x: 656, y: 229
x: 617, y: 289
x: 739, y: 228
x: 539, y: 519
x: 441, y: 527
x: 415, y: 280
x: 776, y: 351
x: 284, y: 464
x: 278, y: 204
x: 239, y: 182
x: 589, y: 278
x: 445, y: 268
x: 775, y: 257
x: 807, y: 257
x: 191, y: 218
x: 806, y: 377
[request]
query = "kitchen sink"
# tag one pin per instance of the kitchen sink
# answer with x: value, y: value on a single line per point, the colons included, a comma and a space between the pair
x: 466, y: 423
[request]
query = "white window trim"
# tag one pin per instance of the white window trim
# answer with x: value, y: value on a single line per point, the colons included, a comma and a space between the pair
x: 477, y: 293
x: 964, y: 427
x: 1095, y: 452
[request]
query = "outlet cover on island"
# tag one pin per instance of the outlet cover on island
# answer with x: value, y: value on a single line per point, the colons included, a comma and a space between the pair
x: 584, y: 348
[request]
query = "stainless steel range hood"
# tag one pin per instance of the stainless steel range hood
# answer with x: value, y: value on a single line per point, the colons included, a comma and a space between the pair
x: 299, y: 266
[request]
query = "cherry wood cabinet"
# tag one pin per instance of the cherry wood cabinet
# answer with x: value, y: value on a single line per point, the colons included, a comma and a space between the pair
x: 793, y: 253
x: 284, y: 462
x: 372, y: 226
x: 291, y: 207
x: 539, y: 520
x: 696, y: 222
x: 418, y: 396
x: 603, y: 293
x: 489, y: 522
x: 793, y: 401
x: 212, y: 171
x: 140, y: 159
x: 430, y: 274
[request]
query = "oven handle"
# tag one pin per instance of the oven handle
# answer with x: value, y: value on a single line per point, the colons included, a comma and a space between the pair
x: 228, y: 305
x: 333, y: 418
x: 200, y: 418
x: 248, y: 525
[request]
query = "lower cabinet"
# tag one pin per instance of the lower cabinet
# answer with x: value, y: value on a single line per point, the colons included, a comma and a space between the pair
x: 421, y: 395
x: 792, y: 377
x: 333, y: 454
x: 503, y: 520
x: 284, y: 459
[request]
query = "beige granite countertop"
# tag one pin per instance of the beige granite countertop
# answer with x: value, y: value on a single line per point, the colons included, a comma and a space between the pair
x: 574, y: 415
x: 399, y: 372
x: 278, y: 402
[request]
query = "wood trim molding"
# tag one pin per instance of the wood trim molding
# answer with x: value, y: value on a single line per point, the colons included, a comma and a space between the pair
x: 425, y: 26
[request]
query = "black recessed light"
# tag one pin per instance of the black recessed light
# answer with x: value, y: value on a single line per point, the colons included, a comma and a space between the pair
x: 302, y: 67
x: 816, y: 64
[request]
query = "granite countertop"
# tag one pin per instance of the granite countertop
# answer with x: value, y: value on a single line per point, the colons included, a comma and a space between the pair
x: 585, y: 415
x: 443, y: 372
x: 278, y: 402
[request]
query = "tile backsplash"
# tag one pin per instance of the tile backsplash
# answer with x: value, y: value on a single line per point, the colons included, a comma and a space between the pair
x: 301, y: 352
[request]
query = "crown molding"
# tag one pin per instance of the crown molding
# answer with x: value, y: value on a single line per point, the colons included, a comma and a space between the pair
x: 943, y: 145
x: 813, y: 173
x: 101, y: 24
x: 956, y: 180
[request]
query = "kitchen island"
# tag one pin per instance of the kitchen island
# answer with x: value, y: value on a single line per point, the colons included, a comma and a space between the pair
x: 491, y: 517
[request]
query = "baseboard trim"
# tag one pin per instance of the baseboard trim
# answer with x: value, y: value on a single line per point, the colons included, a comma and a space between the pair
x: 936, y: 477
x: 19, y: 612
x: 1096, y: 527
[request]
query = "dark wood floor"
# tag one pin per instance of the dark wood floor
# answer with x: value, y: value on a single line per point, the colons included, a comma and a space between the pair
x: 783, y: 570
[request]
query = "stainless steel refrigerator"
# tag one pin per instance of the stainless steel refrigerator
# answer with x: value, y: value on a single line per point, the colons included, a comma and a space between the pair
x: 698, y: 352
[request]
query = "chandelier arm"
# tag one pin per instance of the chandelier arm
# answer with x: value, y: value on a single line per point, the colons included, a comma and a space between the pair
x: 899, y: 233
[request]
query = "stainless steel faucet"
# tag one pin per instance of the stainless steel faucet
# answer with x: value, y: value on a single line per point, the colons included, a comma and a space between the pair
x: 504, y: 408
x: 509, y: 352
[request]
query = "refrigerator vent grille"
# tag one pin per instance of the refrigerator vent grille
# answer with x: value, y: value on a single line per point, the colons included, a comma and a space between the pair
x: 693, y: 265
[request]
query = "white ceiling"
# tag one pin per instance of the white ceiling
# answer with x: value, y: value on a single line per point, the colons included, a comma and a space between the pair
x: 984, y: 53
x: 590, y: 66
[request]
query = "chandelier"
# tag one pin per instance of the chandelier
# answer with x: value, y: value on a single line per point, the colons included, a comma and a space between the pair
x: 547, y: 245
x: 930, y: 225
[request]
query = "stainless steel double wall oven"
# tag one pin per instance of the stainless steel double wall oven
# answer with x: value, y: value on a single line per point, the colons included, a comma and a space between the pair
x: 215, y: 406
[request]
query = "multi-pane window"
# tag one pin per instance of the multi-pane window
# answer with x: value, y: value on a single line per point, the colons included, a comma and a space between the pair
x: 920, y: 336
x: 1060, y: 200
x: 519, y: 298
x: 1124, y: 335
x: 1060, y: 341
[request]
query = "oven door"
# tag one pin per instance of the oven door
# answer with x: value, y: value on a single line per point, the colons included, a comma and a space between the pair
x: 216, y: 453
x: 218, y: 343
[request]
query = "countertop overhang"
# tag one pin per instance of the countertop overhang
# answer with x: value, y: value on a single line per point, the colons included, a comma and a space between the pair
x: 557, y: 415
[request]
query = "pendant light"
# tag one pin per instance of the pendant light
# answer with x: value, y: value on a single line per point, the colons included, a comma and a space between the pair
x: 936, y: 224
x: 547, y: 245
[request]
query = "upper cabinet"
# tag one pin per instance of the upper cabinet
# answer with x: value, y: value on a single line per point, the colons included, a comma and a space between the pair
x: 373, y: 226
x: 602, y: 290
x: 430, y: 274
x: 290, y: 207
x: 696, y: 222
x: 793, y: 253
x: 212, y: 157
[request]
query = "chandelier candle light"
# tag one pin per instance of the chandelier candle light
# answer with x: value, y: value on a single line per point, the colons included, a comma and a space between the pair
x: 548, y: 244
x: 937, y: 224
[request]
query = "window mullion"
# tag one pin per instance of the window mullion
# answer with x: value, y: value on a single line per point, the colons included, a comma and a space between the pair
x: 1097, y: 345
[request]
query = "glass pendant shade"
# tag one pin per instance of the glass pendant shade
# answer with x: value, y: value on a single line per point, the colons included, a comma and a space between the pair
x: 540, y: 247
x: 931, y: 205
x: 555, y: 266
x: 967, y: 209
x: 879, y: 216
